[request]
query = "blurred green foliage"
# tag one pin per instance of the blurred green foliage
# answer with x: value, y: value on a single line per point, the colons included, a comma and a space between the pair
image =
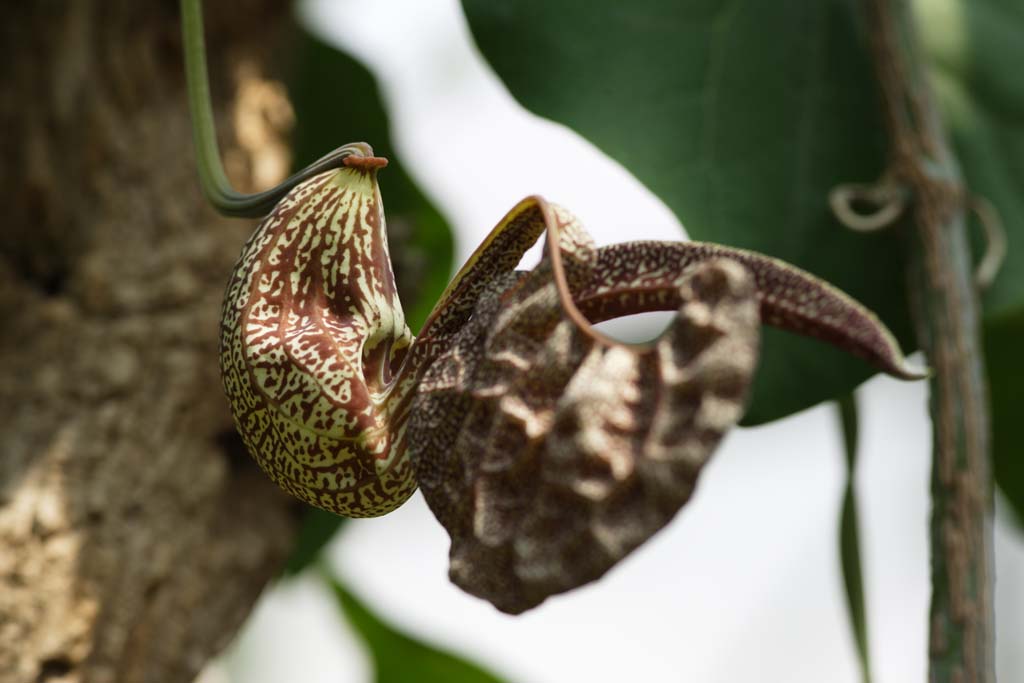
x: 399, y: 658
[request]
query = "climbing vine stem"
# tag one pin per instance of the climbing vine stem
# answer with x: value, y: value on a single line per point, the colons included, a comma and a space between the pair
x: 945, y: 307
x: 212, y: 177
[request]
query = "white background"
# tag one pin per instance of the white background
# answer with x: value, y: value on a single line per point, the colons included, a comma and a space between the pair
x: 745, y: 584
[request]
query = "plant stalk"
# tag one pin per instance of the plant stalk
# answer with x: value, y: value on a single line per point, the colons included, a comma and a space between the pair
x: 945, y: 306
x: 212, y: 178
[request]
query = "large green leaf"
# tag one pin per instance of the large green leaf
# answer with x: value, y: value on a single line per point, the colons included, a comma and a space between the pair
x: 399, y: 658
x: 976, y: 49
x: 336, y: 100
x: 741, y: 116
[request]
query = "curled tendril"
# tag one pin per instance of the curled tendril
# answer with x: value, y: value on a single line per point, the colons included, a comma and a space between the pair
x: 885, y: 200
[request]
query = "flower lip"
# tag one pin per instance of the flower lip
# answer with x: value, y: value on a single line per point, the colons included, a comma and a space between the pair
x: 366, y: 163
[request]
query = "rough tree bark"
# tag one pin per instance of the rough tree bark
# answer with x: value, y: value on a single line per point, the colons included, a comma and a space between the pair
x: 135, y: 534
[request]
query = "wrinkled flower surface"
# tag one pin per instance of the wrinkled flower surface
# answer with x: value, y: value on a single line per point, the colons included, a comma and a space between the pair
x: 549, y: 452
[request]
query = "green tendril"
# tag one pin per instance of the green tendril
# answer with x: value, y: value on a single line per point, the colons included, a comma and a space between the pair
x: 214, y: 180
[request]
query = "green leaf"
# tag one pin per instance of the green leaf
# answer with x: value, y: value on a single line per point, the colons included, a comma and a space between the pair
x: 316, y: 530
x: 399, y: 658
x: 1004, y: 341
x: 336, y: 101
x: 741, y: 116
x: 976, y: 52
x: 849, y: 538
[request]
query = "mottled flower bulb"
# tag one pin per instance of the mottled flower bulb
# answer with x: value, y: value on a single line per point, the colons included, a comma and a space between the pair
x: 311, y: 335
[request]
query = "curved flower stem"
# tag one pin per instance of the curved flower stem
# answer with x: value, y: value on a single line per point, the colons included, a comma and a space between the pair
x: 945, y: 306
x: 212, y: 177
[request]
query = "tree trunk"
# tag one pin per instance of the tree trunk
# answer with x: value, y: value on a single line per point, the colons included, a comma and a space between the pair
x: 135, y: 533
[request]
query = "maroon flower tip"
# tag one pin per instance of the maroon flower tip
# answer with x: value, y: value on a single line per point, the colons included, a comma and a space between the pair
x: 365, y: 163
